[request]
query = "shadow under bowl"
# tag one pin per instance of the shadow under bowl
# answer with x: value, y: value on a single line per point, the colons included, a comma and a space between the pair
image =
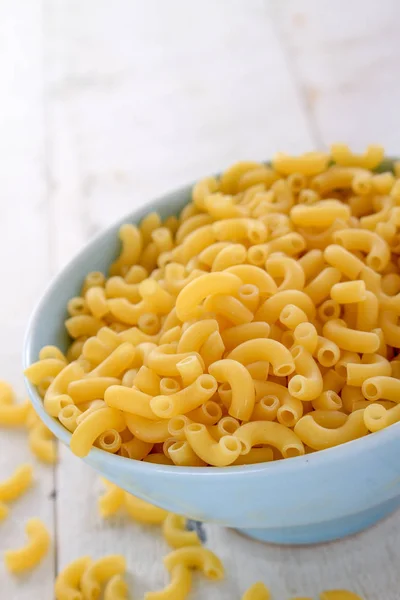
x: 304, y: 500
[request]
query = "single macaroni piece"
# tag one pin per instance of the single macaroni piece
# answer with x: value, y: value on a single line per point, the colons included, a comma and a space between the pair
x: 219, y: 454
x: 94, y: 425
x: 258, y: 591
x: 142, y: 511
x: 319, y: 437
x: 111, y: 501
x: 176, y: 534
x: 42, y: 444
x: 307, y: 383
x: 339, y: 595
x: 100, y: 571
x: 265, y: 349
x: 67, y: 585
x: 35, y: 550
x: 196, y: 557
x: 16, y: 485
x: 178, y: 588
x: 116, y: 589
x: 243, y: 394
x: 273, y: 434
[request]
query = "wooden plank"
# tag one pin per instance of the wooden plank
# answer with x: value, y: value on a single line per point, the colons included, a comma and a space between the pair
x: 344, y: 58
x: 24, y: 264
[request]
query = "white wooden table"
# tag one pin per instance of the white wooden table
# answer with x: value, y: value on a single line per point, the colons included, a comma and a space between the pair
x: 104, y: 105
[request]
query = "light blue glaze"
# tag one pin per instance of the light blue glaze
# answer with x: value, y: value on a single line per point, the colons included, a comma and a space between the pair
x: 314, y: 498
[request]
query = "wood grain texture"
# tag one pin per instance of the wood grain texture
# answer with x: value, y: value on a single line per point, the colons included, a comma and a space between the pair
x: 109, y: 104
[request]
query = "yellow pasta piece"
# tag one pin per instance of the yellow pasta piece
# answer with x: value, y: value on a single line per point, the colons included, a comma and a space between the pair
x: 270, y: 310
x: 310, y: 163
x: 320, y: 214
x: 132, y: 244
x: 337, y: 331
x: 116, y: 589
x: 94, y: 425
x: 191, y: 397
x: 111, y: 501
x: 17, y: 484
x: 219, y: 454
x: 243, y: 394
x: 29, y: 556
x: 100, y: 571
x: 196, y: 557
x: 265, y: 349
x: 307, y: 383
x: 142, y: 511
x: 371, y: 158
x: 339, y: 595
x: 42, y: 444
x: 14, y: 415
x: 319, y: 437
x: 176, y: 534
x: 178, y: 588
x: 274, y: 434
x: 146, y: 430
x: 258, y: 591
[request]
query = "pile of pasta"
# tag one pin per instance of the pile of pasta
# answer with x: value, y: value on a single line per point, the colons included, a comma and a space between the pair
x: 259, y: 324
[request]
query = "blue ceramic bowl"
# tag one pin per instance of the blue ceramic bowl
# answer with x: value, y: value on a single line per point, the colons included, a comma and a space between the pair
x: 313, y: 498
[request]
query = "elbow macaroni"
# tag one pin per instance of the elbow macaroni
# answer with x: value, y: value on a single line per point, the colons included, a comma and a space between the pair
x: 285, y: 275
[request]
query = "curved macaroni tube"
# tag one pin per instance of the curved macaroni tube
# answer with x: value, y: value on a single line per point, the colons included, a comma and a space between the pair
x: 379, y: 387
x: 266, y: 409
x: 30, y: 555
x: 14, y: 415
x: 243, y: 395
x: 388, y: 321
x: 270, y: 310
x: 148, y: 224
x: 218, y: 454
x: 372, y: 365
x: 368, y: 312
x: 110, y: 441
x: 153, y: 432
x: 320, y: 214
x: 67, y: 586
x: 201, y: 190
x: 208, y: 255
x: 289, y: 409
x: 191, y: 397
x: 229, y: 307
x: 236, y: 335
x: 142, y: 511
x: 352, y: 340
x: 97, y: 302
x: 319, y: 438
x: 191, y: 224
x: 259, y: 369
x: 348, y: 292
x: 347, y: 263
x: 196, y: 557
x: 212, y: 349
x: 250, y: 274
x: 42, y: 444
x: 190, y: 369
x: 326, y: 352
x: 136, y: 449
x: 328, y: 400
x: 230, y: 178
x: 307, y: 383
x: 116, y: 589
x: 111, y: 501
x: 312, y: 263
x: 377, y: 417
x: 234, y: 254
x: 265, y: 349
x: 309, y: 163
x: 86, y: 390
x: 371, y: 158
x: 120, y: 359
x: 175, y: 532
x: 208, y: 413
x: 92, y: 426
x: 258, y: 591
x: 377, y: 249
x: 249, y: 296
x: 291, y: 316
x: 333, y: 381
x: 130, y: 400
x: 83, y: 325
x: 306, y: 335
x: 261, y: 175
x: 56, y: 395
x: 183, y: 455
x: 118, y: 287
x: 98, y: 572
x: 178, y: 588
x: 132, y: 244
x: 17, y: 484
x: 320, y: 287
x: 49, y: 367
x: 329, y: 310
x: 196, y: 334
x: 164, y: 359
x: 273, y: 434
x: 146, y: 380
x: 288, y: 269
x: 238, y: 229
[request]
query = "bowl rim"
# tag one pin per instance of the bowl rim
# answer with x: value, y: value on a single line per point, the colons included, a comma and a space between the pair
x: 342, y: 451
